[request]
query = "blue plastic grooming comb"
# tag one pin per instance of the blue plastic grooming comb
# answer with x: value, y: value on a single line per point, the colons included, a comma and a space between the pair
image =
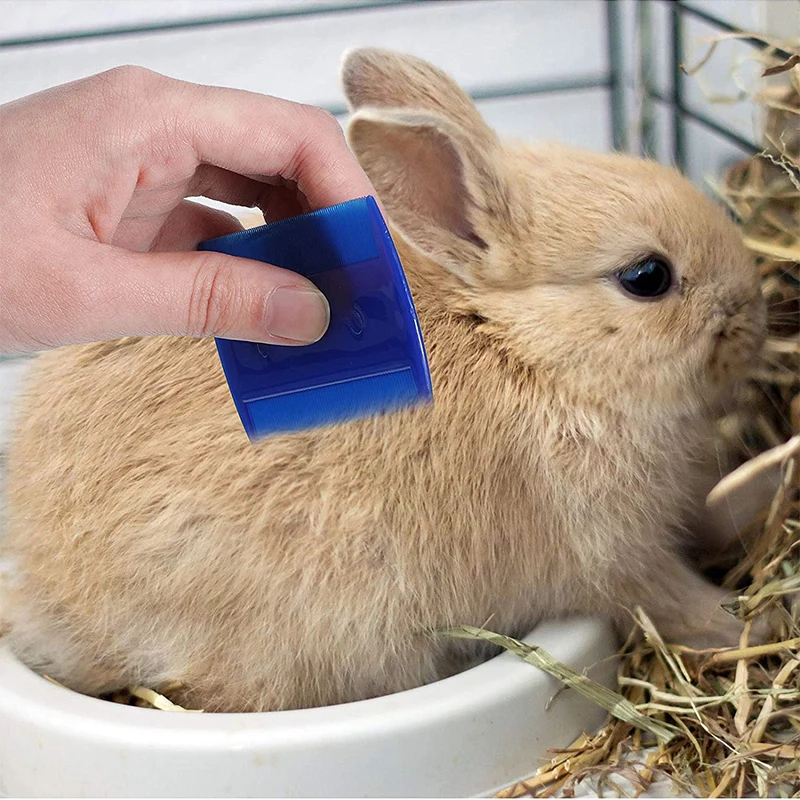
x: 372, y: 358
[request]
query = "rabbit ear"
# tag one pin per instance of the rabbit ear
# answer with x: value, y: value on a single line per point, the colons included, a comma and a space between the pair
x: 430, y: 156
x: 385, y: 79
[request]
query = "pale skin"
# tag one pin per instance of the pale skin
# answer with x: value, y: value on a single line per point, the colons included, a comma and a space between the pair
x: 98, y: 240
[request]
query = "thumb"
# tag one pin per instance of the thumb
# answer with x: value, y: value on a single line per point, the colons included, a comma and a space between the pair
x: 211, y: 294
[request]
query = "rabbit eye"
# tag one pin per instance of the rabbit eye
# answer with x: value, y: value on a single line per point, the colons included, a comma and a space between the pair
x: 651, y: 277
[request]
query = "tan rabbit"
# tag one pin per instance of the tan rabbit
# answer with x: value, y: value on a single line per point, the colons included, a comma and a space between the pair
x: 583, y: 314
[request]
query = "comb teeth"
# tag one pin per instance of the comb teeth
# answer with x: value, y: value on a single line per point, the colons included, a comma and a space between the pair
x: 335, y: 403
x: 372, y: 358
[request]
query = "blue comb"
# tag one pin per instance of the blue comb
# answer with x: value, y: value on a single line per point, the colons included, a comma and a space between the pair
x: 372, y: 358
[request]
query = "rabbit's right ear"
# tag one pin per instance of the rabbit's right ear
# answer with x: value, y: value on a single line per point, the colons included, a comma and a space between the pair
x: 430, y: 156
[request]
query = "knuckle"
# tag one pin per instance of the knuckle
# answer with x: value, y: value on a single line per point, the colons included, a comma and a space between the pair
x: 322, y: 144
x: 128, y: 75
x: 122, y: 85
x: 323, y: 121
x: 214, y: 299
x: 131, y: 73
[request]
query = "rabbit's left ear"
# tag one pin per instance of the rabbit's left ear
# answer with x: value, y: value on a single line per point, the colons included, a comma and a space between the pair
x: 430, y: 156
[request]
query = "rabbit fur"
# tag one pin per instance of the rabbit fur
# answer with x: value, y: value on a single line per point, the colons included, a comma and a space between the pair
x: 568, y: 445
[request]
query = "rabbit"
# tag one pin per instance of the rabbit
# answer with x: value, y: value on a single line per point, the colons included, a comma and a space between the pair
x: 584, y: 316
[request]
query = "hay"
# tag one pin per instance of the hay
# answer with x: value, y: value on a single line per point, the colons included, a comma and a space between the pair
x: 140, y: 696
x: 616, y: 705
x: 149, y: 698
x: 737, y: 710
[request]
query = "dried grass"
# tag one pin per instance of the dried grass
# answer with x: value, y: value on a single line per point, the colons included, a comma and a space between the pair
x: 149, y: 698
x: 737, y: 710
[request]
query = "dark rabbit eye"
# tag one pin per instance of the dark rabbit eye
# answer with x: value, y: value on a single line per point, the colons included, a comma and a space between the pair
x: 650, y: 277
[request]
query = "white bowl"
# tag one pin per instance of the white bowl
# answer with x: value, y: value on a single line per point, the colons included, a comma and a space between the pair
x: 468, y: 735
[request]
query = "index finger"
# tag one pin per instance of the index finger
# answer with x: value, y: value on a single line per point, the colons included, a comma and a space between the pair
x: 257, y: 135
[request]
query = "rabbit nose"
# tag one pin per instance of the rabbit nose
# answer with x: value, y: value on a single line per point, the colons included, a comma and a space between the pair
x: 732, y: 307
x: 753, y: 305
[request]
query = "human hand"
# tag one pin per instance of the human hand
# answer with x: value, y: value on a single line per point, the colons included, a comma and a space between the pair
x: 97, y: 240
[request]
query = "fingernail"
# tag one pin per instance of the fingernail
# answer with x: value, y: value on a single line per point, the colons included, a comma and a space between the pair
x: 298, y: 315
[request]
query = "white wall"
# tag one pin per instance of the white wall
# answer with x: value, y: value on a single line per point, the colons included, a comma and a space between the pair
x: 487, y: 45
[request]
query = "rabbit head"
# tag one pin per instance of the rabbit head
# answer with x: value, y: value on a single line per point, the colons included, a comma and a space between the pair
x: 612, y: 273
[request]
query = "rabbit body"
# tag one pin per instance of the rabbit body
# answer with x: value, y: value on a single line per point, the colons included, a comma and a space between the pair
x: 566, y: 448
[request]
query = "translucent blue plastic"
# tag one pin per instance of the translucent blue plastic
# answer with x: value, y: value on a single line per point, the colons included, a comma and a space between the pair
x: 372, y: 358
